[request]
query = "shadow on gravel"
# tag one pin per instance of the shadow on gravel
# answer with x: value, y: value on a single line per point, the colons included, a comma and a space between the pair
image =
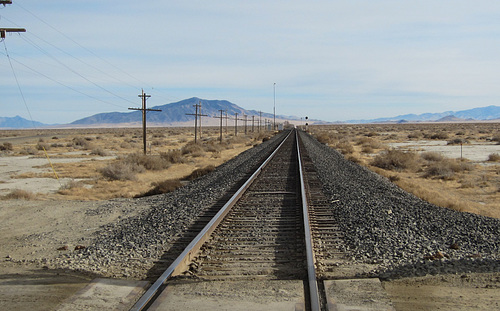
x: 436, y: 267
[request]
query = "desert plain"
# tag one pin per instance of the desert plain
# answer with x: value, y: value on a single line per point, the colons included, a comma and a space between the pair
x: 53, y: 182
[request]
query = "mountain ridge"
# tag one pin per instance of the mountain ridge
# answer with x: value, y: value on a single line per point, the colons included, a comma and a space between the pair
x: 175, y: 114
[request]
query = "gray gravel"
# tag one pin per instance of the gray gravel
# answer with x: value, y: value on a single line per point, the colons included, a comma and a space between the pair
x: 395, y: 230
x: 130, y: 247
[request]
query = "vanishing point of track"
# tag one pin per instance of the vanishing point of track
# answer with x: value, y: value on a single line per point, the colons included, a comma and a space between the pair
x: 275, y: 227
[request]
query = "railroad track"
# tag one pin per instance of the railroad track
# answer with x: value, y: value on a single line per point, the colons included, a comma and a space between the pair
x: 277, y: 226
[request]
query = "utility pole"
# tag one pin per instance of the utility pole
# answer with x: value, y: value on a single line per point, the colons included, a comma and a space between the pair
x: 196, y: 115
x: 226, y: 119
x: 220, y: 131
x: 260, y: 119
x: 236, y: 124
x: 245, y: 119
x: 253, y: 124
x: 3, y: 31
x: 274, y: 110
x: 144, y: 96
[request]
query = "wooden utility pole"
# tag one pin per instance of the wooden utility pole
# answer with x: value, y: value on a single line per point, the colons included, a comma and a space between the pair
x: 236, y: 124
x: 196, y: 115
x: 144, y: 96
x: 220, y: 129
x: 260, y: 119
x: 253, y: 124
x: 226, y: 120
x: 245, y: 119
x: 3, y: 31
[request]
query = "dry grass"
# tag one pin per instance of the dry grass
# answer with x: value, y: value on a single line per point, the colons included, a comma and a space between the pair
x: 111, y: 163
x: 18, y: 194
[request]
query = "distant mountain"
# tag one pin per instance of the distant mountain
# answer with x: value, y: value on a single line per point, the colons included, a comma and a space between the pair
x: 176, y: 114
x: 475, y: 114
x: 18, y: 122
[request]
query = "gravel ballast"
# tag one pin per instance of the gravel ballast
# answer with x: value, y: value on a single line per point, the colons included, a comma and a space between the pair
x: 398, y: 232
x: 130, y: 247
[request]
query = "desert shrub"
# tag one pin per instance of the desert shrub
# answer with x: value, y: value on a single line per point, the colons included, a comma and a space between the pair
x: 56, y: 145
x: 6, y: 147
x: 494, y: 157
x: 149, y: 162
x: 441, y: 135
x: 354, y: 159
x: 446, y: 168
x: 496, y: 139
x: 200, y: 172
x: 394, y: 178
x: 121, y: 171
x: 192, y: 149
x: 100, y: 152
x: 396, y: 160
x: 29, y: 150
x: 18, y: 194
x: 161, y: 187
x: 367, y: 149
x: 157, y: 143
x: 125, y: 145
x: 415, y: 135
x: 371, y: 134
x: 42, y: 146
x: 72, y: 184
x: 457, y: 141
x: 344, y: 147
x: 173, y: 156
x: 323, y: 138
x: 432, y: 156
x: 214, y: 147
x: 81, y: 142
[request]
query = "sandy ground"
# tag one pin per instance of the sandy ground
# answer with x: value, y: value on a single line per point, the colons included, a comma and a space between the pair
x: 33, y: 231
x: 476, y: 152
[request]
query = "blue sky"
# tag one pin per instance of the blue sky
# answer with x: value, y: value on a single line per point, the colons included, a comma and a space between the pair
x: 330, y: 60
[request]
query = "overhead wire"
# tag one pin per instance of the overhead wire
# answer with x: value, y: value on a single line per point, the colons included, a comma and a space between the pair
x: 81, y: 46
x: 78, y: 59
x: 27, y: 108
x: 155, y: 91
x: 62, y: 84
x: 166, y: 96
x: 72, y: 70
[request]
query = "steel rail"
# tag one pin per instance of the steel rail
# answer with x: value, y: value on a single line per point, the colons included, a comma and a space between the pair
x: 193, y: 248
x: 311, y: 268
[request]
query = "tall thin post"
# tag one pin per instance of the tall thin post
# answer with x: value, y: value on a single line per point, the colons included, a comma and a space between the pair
x: 144, y: 97
x: 245, y: 119
x: 220, y: 134
x: 196, y: 115
x: 260, y: 119
x: 253, y: 124
x: 226, y: 120
x: 274, y: 110
x: 236, y: 125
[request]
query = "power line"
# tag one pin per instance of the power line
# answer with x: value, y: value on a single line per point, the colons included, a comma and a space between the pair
x: 74, y: 71
x: 62, y: 84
